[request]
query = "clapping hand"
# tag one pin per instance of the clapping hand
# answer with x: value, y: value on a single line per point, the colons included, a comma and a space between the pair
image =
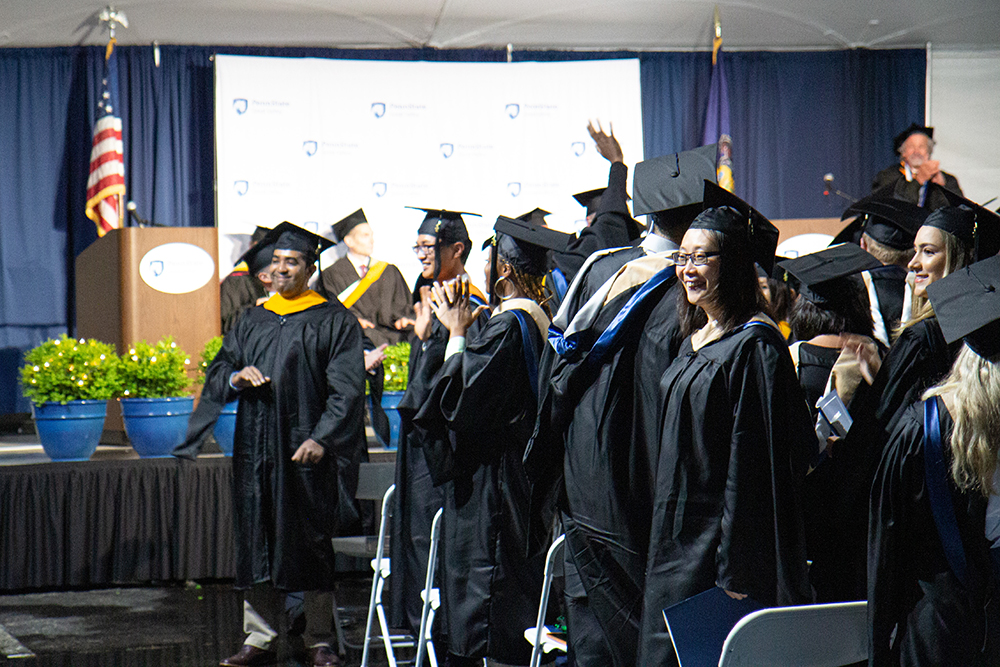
x: 452, y: 306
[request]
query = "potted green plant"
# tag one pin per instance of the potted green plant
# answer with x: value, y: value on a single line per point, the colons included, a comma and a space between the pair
x: 155, y: 401
x: 396, y: 366
x: 225, y: 426
x: 69, y: 383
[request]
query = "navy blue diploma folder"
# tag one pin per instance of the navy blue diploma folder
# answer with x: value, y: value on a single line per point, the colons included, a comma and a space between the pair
x: 699, y: 625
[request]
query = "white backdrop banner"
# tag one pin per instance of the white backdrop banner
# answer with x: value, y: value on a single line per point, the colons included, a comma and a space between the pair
x: 310, y: 141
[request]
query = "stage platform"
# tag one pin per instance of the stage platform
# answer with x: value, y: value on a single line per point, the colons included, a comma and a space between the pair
x: 114, y: 520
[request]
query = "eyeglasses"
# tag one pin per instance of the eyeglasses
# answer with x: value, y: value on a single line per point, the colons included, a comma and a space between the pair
x: 698, y: 258
x: 426, y: 250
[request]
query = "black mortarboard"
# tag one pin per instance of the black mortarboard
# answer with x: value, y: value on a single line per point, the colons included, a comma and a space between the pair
x: 672, y: 181
x: 985, y: 224
x: 967, y: 305
x: 258, y: 257
x: 890, y: 221
x: 342, y: 228
x: 821, y: 274
x: 590, y: 200
x: 536, y: 215
x: 897, y: 142
x: 526, y: 245
x: 725, y: 212
x: 287, y: 236
x: 258, y: 234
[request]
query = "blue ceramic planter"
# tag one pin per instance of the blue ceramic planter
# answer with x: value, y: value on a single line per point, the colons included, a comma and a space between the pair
x: 390, y: 403
x: 70, y: 431
x: 225, y: 428
x: 156, y: 425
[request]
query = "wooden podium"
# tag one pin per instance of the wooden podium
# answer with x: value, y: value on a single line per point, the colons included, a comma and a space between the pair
x: 137, y: 284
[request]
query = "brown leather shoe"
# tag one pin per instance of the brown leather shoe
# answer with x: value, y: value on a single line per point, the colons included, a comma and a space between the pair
x: 323, y: 656
x: 250, y: 656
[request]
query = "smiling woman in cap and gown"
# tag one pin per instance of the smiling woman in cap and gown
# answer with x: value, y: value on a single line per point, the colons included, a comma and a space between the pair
x: 735, y: 439
x: 935, y: 515
x: 484, y: 397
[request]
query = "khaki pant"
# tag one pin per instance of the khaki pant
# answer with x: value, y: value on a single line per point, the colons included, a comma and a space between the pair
x: 264, y: 609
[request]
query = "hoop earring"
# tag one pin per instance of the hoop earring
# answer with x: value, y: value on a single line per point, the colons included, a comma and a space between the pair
x: 508, y: 291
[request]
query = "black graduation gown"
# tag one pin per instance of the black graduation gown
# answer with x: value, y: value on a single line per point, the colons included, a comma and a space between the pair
x: 910, y: 584
x: 383, y: 303
x: 910, y: 190
x: 238, y: 292
x: 815, y: 364
x: 490, y: 588
x: 285, y: 512
x: 613, y: 227
x: 735, y: 442
x: 417, y: 497
x: 605, y: 415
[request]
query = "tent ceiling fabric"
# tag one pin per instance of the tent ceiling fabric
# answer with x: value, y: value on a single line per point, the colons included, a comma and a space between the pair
x: 527, y: 24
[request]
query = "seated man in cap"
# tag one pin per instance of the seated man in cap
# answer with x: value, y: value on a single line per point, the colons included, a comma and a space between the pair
x: 245, y: 285
x: 373, y: 290
x: 297, y: 366
x: 915, y: 169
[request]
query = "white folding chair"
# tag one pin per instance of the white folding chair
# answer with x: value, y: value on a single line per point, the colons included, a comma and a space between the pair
x: 539, y: 636
x: 818, y: 635
x: 431, y: 597
x: 382, y: 568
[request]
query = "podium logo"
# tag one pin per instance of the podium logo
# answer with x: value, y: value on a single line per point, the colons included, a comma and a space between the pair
x: 379, y: 188
x: 579, y: 148
x: 447, y: 150
x: 514, y: 189
x: 241, y: 187
x: 513, y: 111
x: 310, y: 147
x: 378, y: 109
x: 240, y: 105
x: 156, y: 267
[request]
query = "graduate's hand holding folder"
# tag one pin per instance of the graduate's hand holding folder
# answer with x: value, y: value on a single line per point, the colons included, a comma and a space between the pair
x: 699, y: 626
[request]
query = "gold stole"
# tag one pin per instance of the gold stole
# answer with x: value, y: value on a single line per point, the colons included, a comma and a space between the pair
x: 356, y: 290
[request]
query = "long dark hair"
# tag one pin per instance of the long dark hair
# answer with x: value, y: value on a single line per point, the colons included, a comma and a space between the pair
x: 849, y: 313
x: 737, y: 293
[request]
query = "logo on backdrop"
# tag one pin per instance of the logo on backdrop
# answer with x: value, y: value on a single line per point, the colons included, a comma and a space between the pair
x: 311, y: 225
x: 241, y: 187
x: 514, y: 189
x: 240, y: 105
x: 310, y: 147
x: 379, y: 188
x: 447, y: 150
x: 579, y: 148
x: 513, y: 110
x: 378, y: 109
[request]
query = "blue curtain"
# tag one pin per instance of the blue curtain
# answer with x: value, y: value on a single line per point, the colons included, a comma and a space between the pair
x: 795, y: 117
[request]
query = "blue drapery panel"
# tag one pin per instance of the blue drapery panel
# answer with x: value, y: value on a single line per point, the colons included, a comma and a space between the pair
x: 795, y: 117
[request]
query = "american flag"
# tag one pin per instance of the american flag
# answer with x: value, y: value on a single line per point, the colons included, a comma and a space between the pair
x: 106, y: 183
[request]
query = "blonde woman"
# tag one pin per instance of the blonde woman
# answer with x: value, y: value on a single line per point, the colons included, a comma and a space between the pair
x: 934, y: 510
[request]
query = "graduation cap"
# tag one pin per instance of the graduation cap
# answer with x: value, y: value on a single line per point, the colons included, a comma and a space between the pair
x: 672, y: 181
x: 536, y: 215
x: 342, y: 228
x: 967, y: 305
x: 977, y: 226
x: 897, y: 142
x: 725, y: 212
x: 821, y: 275
x: 258, y: 234
x: 287, y: 236
x: 446, y: 227
x: 590, y: 200
x: 257, y: 258
x: 890, y: 221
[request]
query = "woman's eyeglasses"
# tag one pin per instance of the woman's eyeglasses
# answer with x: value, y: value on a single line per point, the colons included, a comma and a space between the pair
x: 698, y: 258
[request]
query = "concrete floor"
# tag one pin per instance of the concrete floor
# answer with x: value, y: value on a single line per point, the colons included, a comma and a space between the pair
x: 175, y: 626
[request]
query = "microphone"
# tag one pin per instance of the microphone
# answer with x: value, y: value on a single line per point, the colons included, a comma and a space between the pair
x: 828, y: 180
x: 130, y: 207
